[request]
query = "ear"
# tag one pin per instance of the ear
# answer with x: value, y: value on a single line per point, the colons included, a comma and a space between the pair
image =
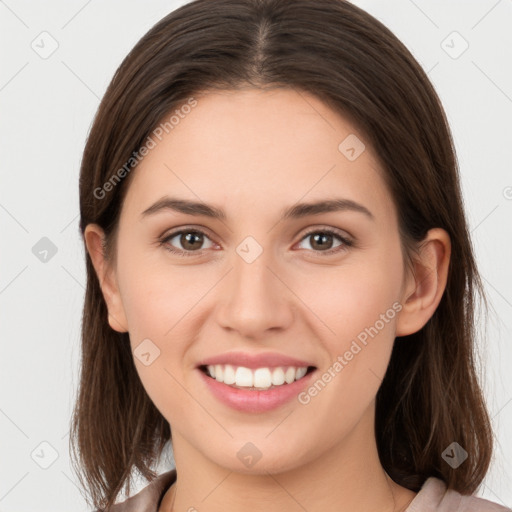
x: 425, y: 286
x: 94, y: 237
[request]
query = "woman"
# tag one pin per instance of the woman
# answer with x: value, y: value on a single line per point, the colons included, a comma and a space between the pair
x: 280, y: 279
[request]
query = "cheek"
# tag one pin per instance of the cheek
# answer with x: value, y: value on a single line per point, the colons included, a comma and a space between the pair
x: 161, y: 304
x: 159, y: 307
x: 358, y: 306
x: 352, y: 298
x: 157, y: 296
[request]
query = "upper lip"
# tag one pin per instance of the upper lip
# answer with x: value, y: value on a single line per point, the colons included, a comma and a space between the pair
x: 247, y: 360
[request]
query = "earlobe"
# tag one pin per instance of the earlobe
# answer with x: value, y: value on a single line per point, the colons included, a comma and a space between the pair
x: 426, y: 286
x: 94, y: 237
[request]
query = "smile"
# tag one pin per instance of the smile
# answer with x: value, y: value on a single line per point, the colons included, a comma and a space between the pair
x: 253, y: 390
x: 255, y: 379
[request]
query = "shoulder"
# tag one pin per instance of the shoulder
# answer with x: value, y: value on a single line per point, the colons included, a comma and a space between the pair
x: 434, y: 497
x: 149, y: 498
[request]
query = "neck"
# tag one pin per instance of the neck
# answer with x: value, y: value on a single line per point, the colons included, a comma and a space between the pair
x: 348, y: 477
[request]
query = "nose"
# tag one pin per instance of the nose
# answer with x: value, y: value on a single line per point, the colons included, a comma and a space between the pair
x: 255, y: 298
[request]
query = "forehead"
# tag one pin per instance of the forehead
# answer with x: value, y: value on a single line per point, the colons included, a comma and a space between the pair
x: 254, y: 147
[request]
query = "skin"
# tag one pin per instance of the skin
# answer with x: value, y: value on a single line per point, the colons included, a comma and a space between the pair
x: 253, y: 153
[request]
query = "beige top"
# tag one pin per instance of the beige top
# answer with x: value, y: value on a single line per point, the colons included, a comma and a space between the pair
x: 432, y: 497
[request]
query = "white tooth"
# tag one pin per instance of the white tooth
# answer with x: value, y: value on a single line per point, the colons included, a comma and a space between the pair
x: 289, y: 375
x: 211, y: 370
x: 243, y: 377
x: 300, y: 373
x: 278, y: 377
x: 262, y: 378
x: 219, y: 373
x: 229, y: 374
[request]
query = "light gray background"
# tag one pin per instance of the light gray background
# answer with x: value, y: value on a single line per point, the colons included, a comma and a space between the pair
x: 47, y: 106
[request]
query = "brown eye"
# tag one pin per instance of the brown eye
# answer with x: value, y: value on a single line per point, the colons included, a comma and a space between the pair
x: 191, y: 241
x: 324, y: 240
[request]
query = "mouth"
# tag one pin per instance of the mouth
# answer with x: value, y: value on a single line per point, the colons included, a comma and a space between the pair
x: 256, y: 379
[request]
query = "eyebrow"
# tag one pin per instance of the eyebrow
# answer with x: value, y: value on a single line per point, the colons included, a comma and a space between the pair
x: 295, y: 212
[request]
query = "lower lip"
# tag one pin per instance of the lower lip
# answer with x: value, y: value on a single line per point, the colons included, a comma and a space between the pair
x: 252, y: 400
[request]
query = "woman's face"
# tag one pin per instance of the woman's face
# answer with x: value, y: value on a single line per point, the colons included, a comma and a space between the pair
x: 258, y: 281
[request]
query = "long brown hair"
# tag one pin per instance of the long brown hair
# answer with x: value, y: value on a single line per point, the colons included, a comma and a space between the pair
x: 430, y: 395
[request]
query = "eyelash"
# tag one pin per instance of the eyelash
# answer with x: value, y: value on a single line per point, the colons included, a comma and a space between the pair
x: 346, y: 242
